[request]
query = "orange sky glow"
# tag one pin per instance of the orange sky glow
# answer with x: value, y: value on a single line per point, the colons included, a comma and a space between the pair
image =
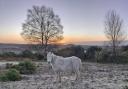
x: 74, y: 39
x: 16, y: 38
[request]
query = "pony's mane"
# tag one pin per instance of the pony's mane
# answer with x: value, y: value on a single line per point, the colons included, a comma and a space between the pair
x: 57, y: 57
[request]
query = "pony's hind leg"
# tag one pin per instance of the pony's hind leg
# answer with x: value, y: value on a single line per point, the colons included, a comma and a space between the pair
x: 77, y: 75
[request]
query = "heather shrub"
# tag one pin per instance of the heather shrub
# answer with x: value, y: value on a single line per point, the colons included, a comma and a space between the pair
x: 10, y: 75
x: 26, y: 67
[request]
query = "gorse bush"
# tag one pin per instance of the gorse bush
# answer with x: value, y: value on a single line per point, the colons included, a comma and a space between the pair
x: 13, y: 75
x: 3, y: 77
x: 27, y: 53
x: 10, y: 75
x: 26, y: 67
x: 14, y: 71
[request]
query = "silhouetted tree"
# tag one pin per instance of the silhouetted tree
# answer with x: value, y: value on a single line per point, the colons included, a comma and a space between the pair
x: 114, y: 30
x: 42, y: 26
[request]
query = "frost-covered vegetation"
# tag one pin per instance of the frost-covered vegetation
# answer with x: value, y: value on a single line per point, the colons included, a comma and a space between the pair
x: 24, y: 54
x: 10, y: 75
x: 93, y: 76
x: 12, y: 72
x: 100, y: 54
x: 104, y: 54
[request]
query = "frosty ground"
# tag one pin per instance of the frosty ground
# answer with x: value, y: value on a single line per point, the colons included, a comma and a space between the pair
x: 93, y: 76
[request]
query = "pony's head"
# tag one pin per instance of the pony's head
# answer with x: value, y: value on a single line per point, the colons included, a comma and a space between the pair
x: 49, y: 57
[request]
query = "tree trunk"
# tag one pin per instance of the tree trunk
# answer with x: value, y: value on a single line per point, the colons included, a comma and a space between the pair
x: 114, y: 51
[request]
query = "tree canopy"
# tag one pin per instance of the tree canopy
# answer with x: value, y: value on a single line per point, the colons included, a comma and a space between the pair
x: 42, y: 26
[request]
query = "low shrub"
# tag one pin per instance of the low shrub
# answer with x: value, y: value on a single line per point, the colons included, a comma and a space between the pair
x: 27, y: 53
x: 16, y: 66
x: 91, y: 52
x: 125, y: 48
x: 9, y: 65
x: 122, y: 57
x: 13, y: 75
x: 26, y: 67
x: 24, y: 54
x: 3, y: 77
x: 103, y: 56
x: 10, y: 75
x: 39, y: 56
x: 12, y: 66
x: 8, y: 54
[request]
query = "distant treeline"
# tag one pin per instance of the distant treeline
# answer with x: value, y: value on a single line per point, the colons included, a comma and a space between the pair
x: 96, y: 53
x: 91, y: 53
x: 104, y: 54
x: 23, y: 54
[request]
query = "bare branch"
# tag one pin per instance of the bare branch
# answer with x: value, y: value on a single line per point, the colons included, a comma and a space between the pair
x: 42, y: 26
x: 114, y: 30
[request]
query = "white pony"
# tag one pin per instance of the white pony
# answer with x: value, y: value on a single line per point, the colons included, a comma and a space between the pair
x: 61, y: 64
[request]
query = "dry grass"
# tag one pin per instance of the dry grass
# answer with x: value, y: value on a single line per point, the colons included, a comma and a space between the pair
x: 13, y: 59
x: 93, y: 76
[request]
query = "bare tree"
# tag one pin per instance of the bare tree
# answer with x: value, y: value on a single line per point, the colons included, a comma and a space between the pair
x: 42, y: 26
x: 114, y: 30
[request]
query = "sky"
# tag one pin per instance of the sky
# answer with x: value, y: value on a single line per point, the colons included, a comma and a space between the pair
x: 83, y: 20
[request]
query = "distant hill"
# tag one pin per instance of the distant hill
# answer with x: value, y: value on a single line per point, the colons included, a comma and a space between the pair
x: 17, y: 48
x: 97, y: 43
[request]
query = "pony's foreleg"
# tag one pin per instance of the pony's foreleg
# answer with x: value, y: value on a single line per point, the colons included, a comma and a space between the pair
x: 59, y: 77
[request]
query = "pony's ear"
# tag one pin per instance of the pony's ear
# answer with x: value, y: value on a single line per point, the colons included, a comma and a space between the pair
x: 48, y: 52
